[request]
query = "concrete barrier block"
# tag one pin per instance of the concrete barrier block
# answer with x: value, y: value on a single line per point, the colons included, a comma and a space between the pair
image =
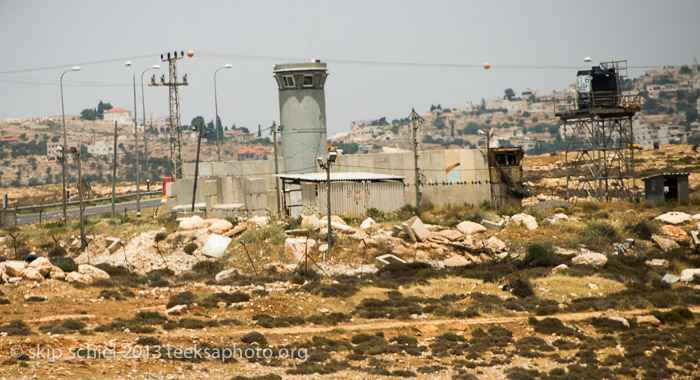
x: 384, y: 260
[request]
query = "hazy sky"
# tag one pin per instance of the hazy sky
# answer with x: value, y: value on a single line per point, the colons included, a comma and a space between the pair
x: 368, y: 45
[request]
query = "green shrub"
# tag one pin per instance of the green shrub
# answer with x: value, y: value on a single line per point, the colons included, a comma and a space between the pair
x: 539, y: 255
x: 148, y: 341
x: 160, y: 236
x: 599, y: 236
x: 677, y: 315
x: 376, y: 214
x: 520, y: 287
x: 190, y: 248
x: 16, y: 327
x: 254, y: 337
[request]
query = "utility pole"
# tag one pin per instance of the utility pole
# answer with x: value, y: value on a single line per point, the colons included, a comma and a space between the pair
x: 332, y: 156
x: 277, y: 180
x: 65, y: 144
x: 328, y: 204
x: 175, y: 132
x: 143, y: 110
x: 76, y: 152
x: 114, y: 170
x: 136, y: 145
x: 196, y: 165
x: 414, y: 129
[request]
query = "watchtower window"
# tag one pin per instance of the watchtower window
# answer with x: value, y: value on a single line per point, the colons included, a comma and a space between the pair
x: 308, y: 80
x: 288, y: 81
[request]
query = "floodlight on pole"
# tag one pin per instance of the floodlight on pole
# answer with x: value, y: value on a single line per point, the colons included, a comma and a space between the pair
x: 65, y: 142
x: 216, y: 111
x: 587, y: 59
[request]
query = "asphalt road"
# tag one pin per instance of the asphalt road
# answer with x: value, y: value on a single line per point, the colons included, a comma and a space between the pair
x: 74, y: 213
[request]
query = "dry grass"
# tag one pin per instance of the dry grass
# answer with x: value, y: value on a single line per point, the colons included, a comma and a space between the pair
x: 559, y: 287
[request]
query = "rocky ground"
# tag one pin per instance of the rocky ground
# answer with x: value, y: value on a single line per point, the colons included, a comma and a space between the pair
x: 576, y: 291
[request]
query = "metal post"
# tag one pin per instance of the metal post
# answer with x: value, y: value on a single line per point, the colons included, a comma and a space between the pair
x: 277, y: 180
x: 114, y: 170
x: 328, y: 205
x: 65, y: 148
x: 415, y: 159
x: 136, y: 142
x: 216, y: 120
x: 80, y: 196
x: 196, y: 165
x: 143, y: 112
x: 488, y: 161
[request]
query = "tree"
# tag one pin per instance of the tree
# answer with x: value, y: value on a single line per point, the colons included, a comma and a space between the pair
x: 89, y: 114
x: 197, y: 121
x: 509, y: 94
x: 691, y: 115
x: 102, y: 107
x: 347, y: 148
x: 259, y: 131
x: 472, y: 128
x: 685, y: 70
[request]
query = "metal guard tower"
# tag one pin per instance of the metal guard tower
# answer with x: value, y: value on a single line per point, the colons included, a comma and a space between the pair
x: 598, y: 134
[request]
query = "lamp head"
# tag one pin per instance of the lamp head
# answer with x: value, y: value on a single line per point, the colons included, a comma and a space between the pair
x: 155, y: 67
x: 587, y: 59
x: 77, y: 68
x: 332, y: 156
x: 127, y: 63
x: 228, y: 66
x: 319, y: 160
x: 481, y: 132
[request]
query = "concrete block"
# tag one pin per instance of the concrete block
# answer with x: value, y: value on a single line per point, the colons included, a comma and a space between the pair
x: 233, y: 169
x: 219, y: 169
x: 255, y: 186
x: 418, y: 228
x: 669, y: 278
x: 384, y: 260
x: 492, y: 225
x: 695, y: 238
x: 205, y: 169
x: 409, y: 232
x: 113, y: 244
x: 210, y: 187
x: 216, y: 245
x: 227, y: 190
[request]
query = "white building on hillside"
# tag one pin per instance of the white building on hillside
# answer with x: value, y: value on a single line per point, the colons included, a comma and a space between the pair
x: 53, y: 148
x: 104, y: 147
x: 120, y: 115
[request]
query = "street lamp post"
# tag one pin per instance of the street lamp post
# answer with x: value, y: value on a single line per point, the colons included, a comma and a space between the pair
x: 216, y: 109
x: 65, y: 143
x: 327, y: 167
x: 136, y: 142
x: 201, y: 128
x: 143, y: 109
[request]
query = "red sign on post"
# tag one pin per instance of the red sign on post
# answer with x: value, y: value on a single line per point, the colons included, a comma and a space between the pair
x: 166, y: 180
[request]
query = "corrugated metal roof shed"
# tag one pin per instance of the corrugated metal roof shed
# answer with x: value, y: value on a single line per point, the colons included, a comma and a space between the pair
x: 338, y: 177
x: 666, y: 175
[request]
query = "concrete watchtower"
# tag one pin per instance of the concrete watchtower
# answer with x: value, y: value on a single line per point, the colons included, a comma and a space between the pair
x: 302, y: 114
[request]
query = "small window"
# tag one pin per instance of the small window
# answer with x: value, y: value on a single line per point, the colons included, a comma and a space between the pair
x: 308, y: 80
x: 289, y: 81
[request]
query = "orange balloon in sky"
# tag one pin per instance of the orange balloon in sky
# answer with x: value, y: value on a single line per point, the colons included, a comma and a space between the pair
x: 486, y: 65
x: 190, y: 54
